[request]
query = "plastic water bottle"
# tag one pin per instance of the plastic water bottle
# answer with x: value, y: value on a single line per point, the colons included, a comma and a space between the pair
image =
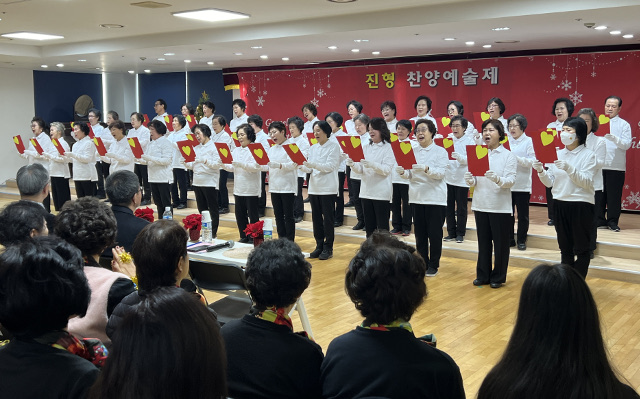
x: 267, y: 229
x: 207, y: 234
x: 167, y: 213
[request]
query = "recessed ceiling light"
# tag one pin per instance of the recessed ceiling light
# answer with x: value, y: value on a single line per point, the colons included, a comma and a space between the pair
x: 131, y: 72
x: 449, y: 38
x: 237, y: 53
x: 285, y: 58
x: 615, y: 32
x: 44, y: 66
x: 506, y: 41
x: 82, y: 60
x: 151, y: 4
x: 487, y: 46
x: 169, y: 53
x: 375, y: 52
x: 501, y: 28
x: 264, y: 57
x: 31, y: 36
x: 147, y: 70
x: 355, y: 50
x: 111, y: 26
x: 341, y: 1
x: 628, y: 36
x: 600, y: 27
x: 361, y: 40
x: 469, y: 43
x: 256, y: 47
x: 161, y: 59
x: 332, y: 47
x: 187, y: 61
x: 98, y: 68
x: 210, y: 63
x: 210, y: 15
x: 59, y: 65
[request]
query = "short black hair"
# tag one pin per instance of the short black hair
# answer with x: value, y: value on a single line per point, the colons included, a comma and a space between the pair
x: 203, y: 128
x: 19, y: 219
x: 138, y: 116
x: 240, y: 103
x: 87, y: 223
x: 431, y: 127
x: 32, y: 179
x: 189, y: 108
x: 114, y: 115
x: 522, y: 121
x: 121, y: 186
x: 279, y: 126
x: 42, y: 284
x: 311, y: 107
x: 406, y: 124
x: 256, y: 119
x: 337, y: 118
x: 380, y: 125
x: 83, y: 127
x: 567, y: 102
x: 96, y: 112
x: 425, y: 98
x: 162, y: 102
x: 458, y: 106
x: 356, y: 104
x: 156, y: 252
x: 499, y: 102
x: 497, y: 125
x: 277, y: 273
x: 118, y: 124
x: 296, y: 120
x: 210, y: 105
x: 324, y: 126
x: 40, y: 122
x: 389, y: 104
x: 463, y: 121
x: 580, y: 126
x: 249, y: 131
x: 385, y: 280
x: 182, y: 121
x: 158, y: 126
x: 221, y: 120
x: 595, y: 123
x: 614, y: 98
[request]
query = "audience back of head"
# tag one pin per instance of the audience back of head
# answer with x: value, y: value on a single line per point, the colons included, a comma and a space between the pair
x: 121, y: 187
x: 22, y: 220
x: 32, y: 180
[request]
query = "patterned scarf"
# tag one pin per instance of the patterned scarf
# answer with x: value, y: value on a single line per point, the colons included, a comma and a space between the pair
x: 399, y: 324
x: 280, y: 317
x: 90, y: 349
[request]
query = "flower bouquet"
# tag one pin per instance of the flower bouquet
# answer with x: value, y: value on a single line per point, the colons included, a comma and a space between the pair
x: 254, y: 230
x: 193, y: 223
x: 145, y: 213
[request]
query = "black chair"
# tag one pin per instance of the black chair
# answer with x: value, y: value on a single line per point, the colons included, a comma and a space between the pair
x: 223, y: 278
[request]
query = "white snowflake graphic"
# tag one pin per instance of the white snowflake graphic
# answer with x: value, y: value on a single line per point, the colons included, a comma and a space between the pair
x: 253, y: 89
x: 540, y: 197
x: 626, y: 186
x: 632, y: 199
x: 566, y: 85
x: 553, y: 76
x: 321, y: 93
x: 260, y: 101
x: 264, y: 92
x: 328, y: 85
x: 304, y: 85
x: 315, y: 102
x: 576, y: 97
x: 594, y: 74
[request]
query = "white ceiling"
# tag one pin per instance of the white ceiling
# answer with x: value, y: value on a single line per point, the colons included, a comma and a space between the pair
x: 299, y: 29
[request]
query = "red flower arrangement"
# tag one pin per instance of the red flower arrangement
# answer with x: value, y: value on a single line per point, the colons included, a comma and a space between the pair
x: 254, y: 230
x: 193, y: 221
x: 145, y: 213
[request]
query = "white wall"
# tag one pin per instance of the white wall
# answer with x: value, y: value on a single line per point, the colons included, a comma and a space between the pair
x: 16, y: 108
x: 121, y: 94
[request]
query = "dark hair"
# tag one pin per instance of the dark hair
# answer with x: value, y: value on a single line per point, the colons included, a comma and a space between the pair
x: 389, y: 104
x: 189, y: 108
x: 210, y: 105
x: 40, y: 122
x: 114, y: 115
x: 121, y: 186
x: 500, y: 104
x: 431, y: 127
x: 118, y: 124
x: 406, y: 124
x: 255, y: 119
x: 249, y: 131
x: 32, y: 179
x: 42, y: 284
x: 277, y: 273
x: 156, y: 252
x: 138, y: 116
x: 463, y: 121
x: 182, y: 121
x: 595, y: 123
x: 580, y: 126
x: 425, y: 98
x: 96, y: 112
x: 83, y: 127
x: 296, y: 120
x: 556, y: 348
x: 203, y: 128
x: 167, y: 346
x: 279, y: 126
x: 324, y: 126
x: 311, y: 107
x: 522, y: 121
x: 88, y: 224
x: 496, y: 124
x: 158, y: 126
x: 385, y: 280
x: 221, y: 120
x: 458, y: 106
x: 240, y: 103
x: 568, y: 103
x: 357, y: 105
x: 163, y: 103
x: 19, y: 219
x: 380, y: 125
x: 614, y: 98
x: 337, y: 118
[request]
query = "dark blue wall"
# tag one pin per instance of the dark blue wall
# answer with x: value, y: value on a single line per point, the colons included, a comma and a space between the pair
x: 55, y: 93
x: 168, y: 86
x: 213, y: 84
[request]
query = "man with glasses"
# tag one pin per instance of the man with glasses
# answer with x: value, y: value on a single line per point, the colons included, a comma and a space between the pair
x: 160, y: 107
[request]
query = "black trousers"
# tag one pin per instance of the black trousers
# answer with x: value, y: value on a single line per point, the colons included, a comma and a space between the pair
x: 400, y: 208
x: 262, y: 201
x: 573, y: 222
x: 246, y: 206
x: 223, y: 192
x: 612, y: 200
x: 179, y: 187
x: 84, y: 188
x: 60, y: 191
x: 493, y: 234
x: 520, y: 202
x: 357, y: 202
x: 322, y: 212
x: 103, y: 172
x: 376, y: 215
x: 298, y: 209
x: 457, y: 206
x: 428, y: 222
x: 161, y: 193
x: 349, y: 186
x: 599, y: 197
x: 283, y: 209
x: 207, y: 200
x: 143, y: 178
x: 550, y: 210
x: 339, y: 214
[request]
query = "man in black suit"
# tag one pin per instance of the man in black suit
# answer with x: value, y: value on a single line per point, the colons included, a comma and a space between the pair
x: 123, y: 190
x: 34, y: 185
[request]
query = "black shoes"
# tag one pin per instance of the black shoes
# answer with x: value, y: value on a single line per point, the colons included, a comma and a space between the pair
x: 145, y: 202
x: 298, y: 219
x: 349, y: 204
x: 222, y: 211
x: 459, y: 239
x: 522, y: 246
x: 431, y: 272
x: 550, y: 222
x: 512, y: 243
x: 326, y: 254
x: 246, y: 240
x: 359, y: 226
x: 337, y: 224
x: 591, y: 255
x: 181, y: 206
x: 449, y: 238
x: 614, y: 227
x: 306, y: 200
x: 316, y: 253
x: 406, y: 233
x: 396, y: 232
x: 477, y: 282
x: 495, y: 285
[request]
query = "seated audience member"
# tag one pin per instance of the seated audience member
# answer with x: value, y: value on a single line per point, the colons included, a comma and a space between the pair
x: 123, y: 191
x: 21, y: 220
x: 90, y: 225
x: 167, y: 346
x: 34, y: 185
x: 382, y: 357
x: 556, y: 349
x: 266, y: 359
x: 41, y: 286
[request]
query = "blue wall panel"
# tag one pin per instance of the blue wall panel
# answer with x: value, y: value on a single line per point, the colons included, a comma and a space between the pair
x: 211, y: 82
x: 168, y: 86
x: 55, y: 93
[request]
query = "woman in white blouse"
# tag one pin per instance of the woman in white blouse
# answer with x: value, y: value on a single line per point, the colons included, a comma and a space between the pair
x: 158, y: 158
x: 296, y: 126
x: 180, y: 177
x: 335, y: 120
x: 59, y: 168
x: 119, y: 156
x: 571, y: 180
x: 492, y: 206
x: 428, y: 193
x: 422, y: 105
x: 283, y: 181
x: 362, y: 129
x: 322, y: 164
x: 455, y: 108
x: 83, y: 155
x: 142, y: 133
x: 246, y: 181
x: 38, y: 126
x: 376, y: 189
x: 400, y: 208
x: 522, y: 148
x: 495, y: 109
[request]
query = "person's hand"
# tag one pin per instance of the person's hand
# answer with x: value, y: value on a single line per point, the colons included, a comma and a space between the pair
x: 399, y: 170
x: 419, y: 167
x: 70, y: 154
x: 309, y: 165
x: 343, y: 156
x: 455, y: 155
x: 365, y: 163
x: 237, y: 164
x: 491, y: 175
x: 215, y: 165
x: 122, y: 262
x: 610, y: 137
x: 274, y: 165
x: 469, y: 179
x: 146, y: 157
x: 109, y: 155
x: 349, y: 162
x: 537, y: 166
x: 562, y: 165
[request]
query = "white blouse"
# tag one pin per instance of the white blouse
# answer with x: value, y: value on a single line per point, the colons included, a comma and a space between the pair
x: 522, y: 149
x: 617, y: 149
x: 122, y: 156
x: 428, y: 188
x: 59, y: 164
x: 206, y: 168
x: 246, y: 173
x: 285, y: 178
x: 84, y: 160
x: 489, y: 196
x: 599, y: 146
x: 303, y: 144
x: 174, y: 137
x: 364, y: 140
x: 143, y: 135
x: 32, y: 155
x: 376, y: 174
x: 454, y: 174
x: 324, y: 176
x: 235, y: 122
x: 576, y: 186
x: 158, y: 157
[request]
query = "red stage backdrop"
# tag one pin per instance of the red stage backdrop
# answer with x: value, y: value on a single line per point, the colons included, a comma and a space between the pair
x: 527, y: 85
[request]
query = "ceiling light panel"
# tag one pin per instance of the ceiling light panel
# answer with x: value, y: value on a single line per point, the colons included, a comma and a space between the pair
x: 210, y: 15
x: 31, y: 36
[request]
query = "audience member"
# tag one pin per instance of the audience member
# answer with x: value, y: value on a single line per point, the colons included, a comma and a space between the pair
x: 21, y: 220
x: 34, y: 185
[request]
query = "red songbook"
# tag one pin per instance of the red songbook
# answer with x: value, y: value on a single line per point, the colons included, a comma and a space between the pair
x: 403, y: 153
x: 544, y: 145
x: 604, y: 125
x: 352, y: 146
x: 186, y: 149
x: 234, y: 136
x: 478, y: 159
x: 58, y: 146
x: 443, y: 125
x: 259, y: 153
x: 505, y: 142
x: 91, y: 133
x: 146, y: 120
x: 556, y: 134
x: 271, y: 142
x: 191, y: 120
x: 168, y: 120
x: 37, y: 146
x: 192, y: 138
x: 413, y: 124
x: 136, y: 148
x: 294, y: 153
x: 479, y: 118
x: 102, y: 150
x: 447, y: 144
x: 17, y: 140
x: 312, y: 138
x: 224, y: 152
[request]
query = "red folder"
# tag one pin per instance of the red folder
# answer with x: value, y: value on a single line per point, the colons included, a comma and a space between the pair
x: 478, y: 159
x: 17, y: 140
x: 234, y: 136
x: 168, y: 120
x: 479, y: 118
x: 224, y: 152
x: 191, y: 120
x: 294, y: 153
x: 544, y: 146
x: 259, y: 153
x: 604, y: 125
x: 505, y: 142
x: 187, y: 151
x: 146, y: 120
x: 352, y: 146
x: 37, y: 146
x: 447, y: 144
x: 102, y: 150
x: 403, y: 153
x: 312, y: 138
x: 136, y: 148
x: 58, y: 146
x: 91, y: 133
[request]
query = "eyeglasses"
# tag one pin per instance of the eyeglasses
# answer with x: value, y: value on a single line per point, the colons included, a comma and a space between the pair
x: 455, y: 126
x: 514, y: 126
x: 422, y: 130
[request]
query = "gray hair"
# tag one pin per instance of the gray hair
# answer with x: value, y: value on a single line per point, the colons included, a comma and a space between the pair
x: 121, y: 186
x: 58, y: 126
x: 32, y: 179
x: 364, y: 119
